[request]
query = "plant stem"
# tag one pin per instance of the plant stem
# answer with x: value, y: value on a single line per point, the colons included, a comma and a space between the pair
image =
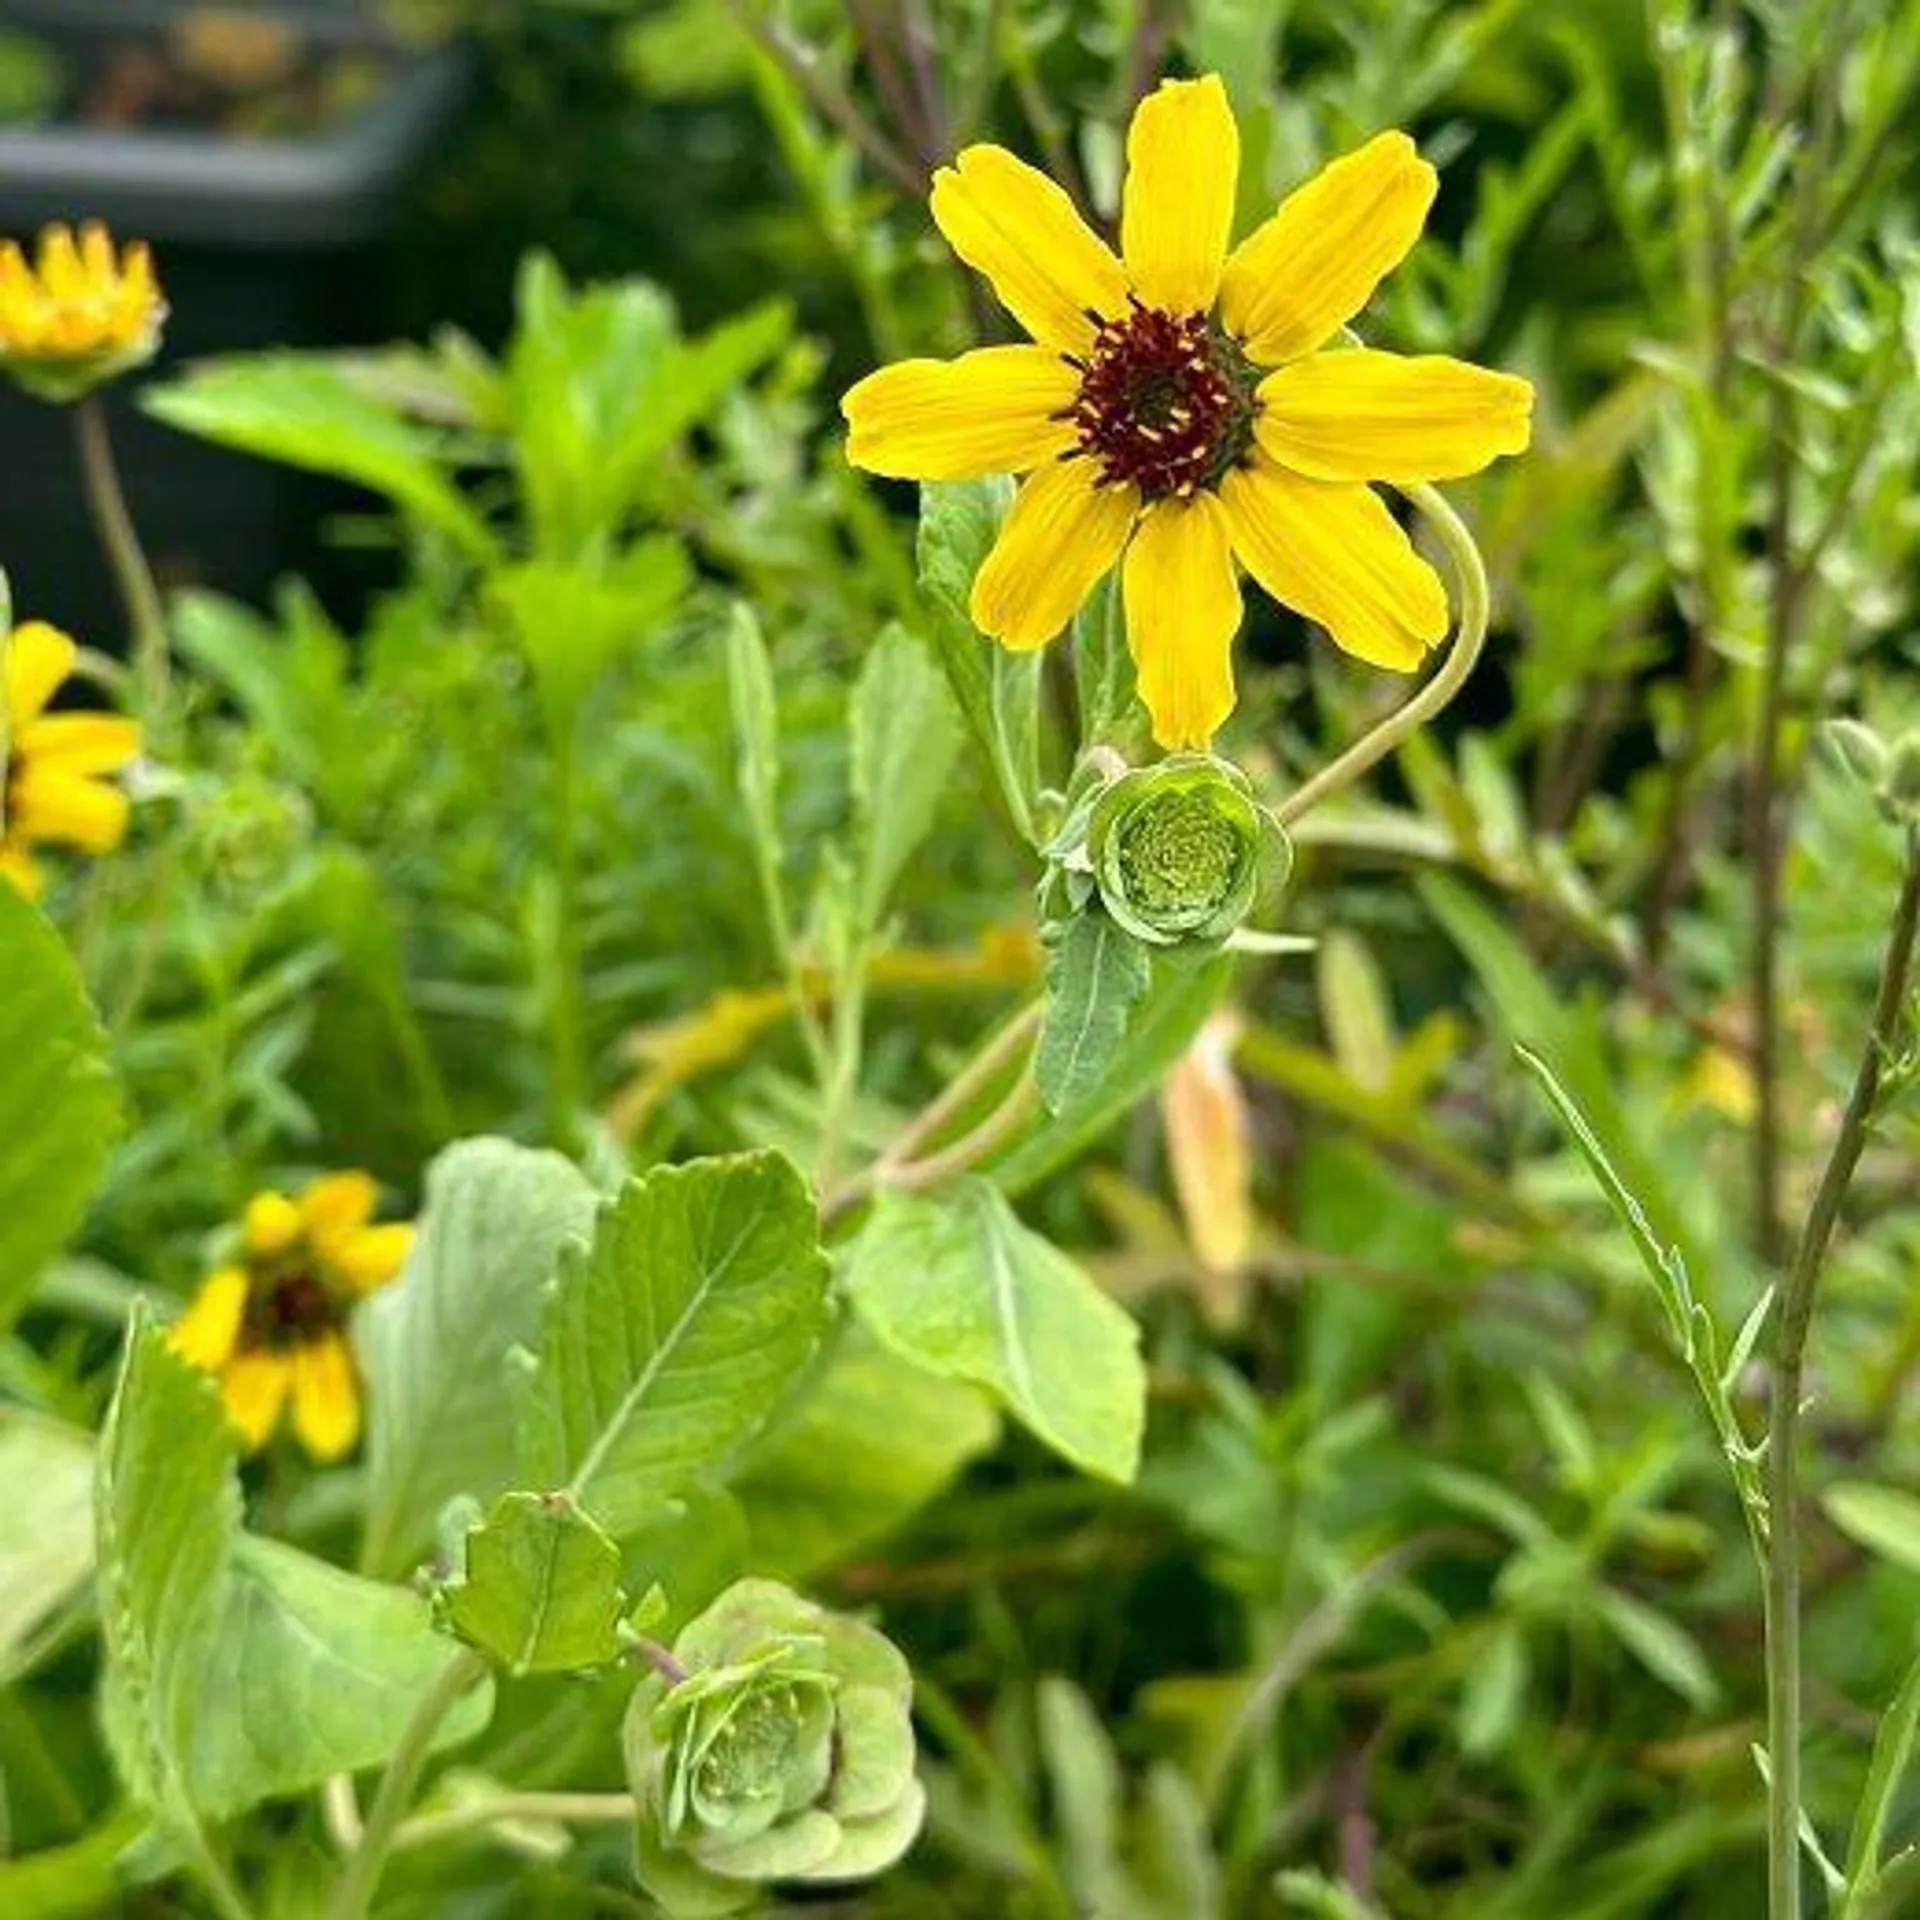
x: 355, y: 1892
x: 1469, y: 636
x: 585, y: 1807
x: 566, y: 1090
x: 146, y: 616
x: 1783, y: 1426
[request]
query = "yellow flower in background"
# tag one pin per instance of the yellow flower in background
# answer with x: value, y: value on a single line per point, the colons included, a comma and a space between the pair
x: 1186, y: 406
x: 53, y: 766
x: 272, y: 1323
x: 78, y: 314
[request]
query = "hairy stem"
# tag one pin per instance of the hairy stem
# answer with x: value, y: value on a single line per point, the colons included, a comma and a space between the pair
x: 1469, y: 636
x: 354, y: 1895
x: 1783, y: 1427
x: 585, y: 1808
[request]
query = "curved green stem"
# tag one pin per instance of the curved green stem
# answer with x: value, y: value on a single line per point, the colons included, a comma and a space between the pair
x: 1469, y: 637
x: 146, y: 615
x: 355, y: 1893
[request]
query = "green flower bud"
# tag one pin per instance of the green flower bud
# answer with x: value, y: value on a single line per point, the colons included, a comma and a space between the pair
x: 1175, y: 849
x: 785, y: 1752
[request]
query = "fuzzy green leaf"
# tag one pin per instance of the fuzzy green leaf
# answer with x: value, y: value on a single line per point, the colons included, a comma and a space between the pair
x: 1097, y: 974
x: 873, y: 1440
x: 998, y: 691
x: 541, y: 1592
x: 960, y: 1287
x: 46, y: 1524
x: 904, y: 742
x: 433, y: 1347
x: 673, y: 1336
x: 59, y: 1110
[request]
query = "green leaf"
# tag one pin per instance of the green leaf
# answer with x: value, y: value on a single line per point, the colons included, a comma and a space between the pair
x: 1665, y: 1648
x: 1494, y: 1696
x: 904, y: 741
x: 46, y: 1524
x: 998, y: 690
x: 873, y: 1439
x: 312, y: 1671
x: 237, y: 1669
x: 1163, y: 1028
x: 756, y: 726
x: 1097, y: 974
x: 960, y: 1287
x: 671, y: 1339
x: 298, y: 410
x: 59, y: 1110
x: 1884, y: 1520
x: 541, y: 1592
x: 1103, y: 671
x: 1354, y: 1005
x: 434, y: 1346
x: 166, y: 1515
x: 1893, y: 1748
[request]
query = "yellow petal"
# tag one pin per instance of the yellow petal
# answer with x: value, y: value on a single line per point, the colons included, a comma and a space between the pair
x: 1335, y: 554
x: 373, y: 1256
x: 1298, y: 278
x: 18, y: 871
x: 991, y: 411
x: 271, y: 1225
x: 60, y: 266
x: 326, y: 1398
x: 1008, y: 221
x: 336, y: 1207
x: 39, y: 657
x: 79, y: 742
x: 72, y: 809
x: 1385, y: 416
x: 1183, y: 168
x: 1062, y: 535
x: 254, y: 1387
x: 1183, y: 607
x: 205, y: 1333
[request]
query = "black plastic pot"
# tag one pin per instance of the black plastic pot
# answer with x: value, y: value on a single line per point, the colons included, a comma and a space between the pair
x: 259, y: 242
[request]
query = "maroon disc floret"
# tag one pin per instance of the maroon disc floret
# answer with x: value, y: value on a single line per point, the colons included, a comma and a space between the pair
x: 289, y: 1308
x: 1161, y: 405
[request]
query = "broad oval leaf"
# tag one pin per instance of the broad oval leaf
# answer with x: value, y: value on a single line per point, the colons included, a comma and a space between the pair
x: 674, y: 1335
x: 433, y: 1347
x: 903, y: 744
x: 59, y: 1110
x: 46, y: 1525
x: 959, y: 1286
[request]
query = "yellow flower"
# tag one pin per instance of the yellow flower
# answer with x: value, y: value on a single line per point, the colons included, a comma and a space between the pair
x: 272, y: 1323
x: 52, y: 765
x: 77, y: 315
x: 1185, y: 405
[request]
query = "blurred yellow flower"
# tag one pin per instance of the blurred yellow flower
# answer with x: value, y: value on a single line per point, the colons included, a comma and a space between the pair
x: 1185, y: 405
x: 53, y: 788
x: 272, y: 1322
x: 78, y: 314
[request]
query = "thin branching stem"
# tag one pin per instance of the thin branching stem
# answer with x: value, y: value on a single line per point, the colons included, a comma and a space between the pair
x: 146, y: 616
x: 1783, y: 1429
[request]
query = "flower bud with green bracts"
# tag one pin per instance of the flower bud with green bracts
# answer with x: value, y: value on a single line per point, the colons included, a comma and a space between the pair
x: 783, y: 1752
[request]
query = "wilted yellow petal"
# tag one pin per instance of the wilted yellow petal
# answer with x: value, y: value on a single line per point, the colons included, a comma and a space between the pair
x: 1008, y: 221
x: 1296, y: 280
x: 1062, y: 535
x: 1383, y: 416
x: 1209, y: 1145
x: 1183, y: 168
x: 1183, y: 609
x: 996, y: 410
x: 1335, y: 554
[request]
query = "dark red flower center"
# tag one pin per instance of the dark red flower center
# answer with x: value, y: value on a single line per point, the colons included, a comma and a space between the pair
x: 288, y: 1307
x: 1165, y: 404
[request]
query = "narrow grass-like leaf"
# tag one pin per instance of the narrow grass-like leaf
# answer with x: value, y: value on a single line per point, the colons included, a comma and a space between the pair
x: 1893, y: 1750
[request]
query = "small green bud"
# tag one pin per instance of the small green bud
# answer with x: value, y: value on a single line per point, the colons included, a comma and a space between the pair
x: 782, y: 1751
x: 1175, y: 849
